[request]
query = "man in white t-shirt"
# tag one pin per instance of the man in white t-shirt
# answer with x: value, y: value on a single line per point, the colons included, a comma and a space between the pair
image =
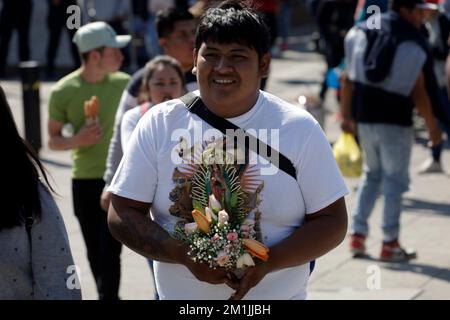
x: 301, y: 216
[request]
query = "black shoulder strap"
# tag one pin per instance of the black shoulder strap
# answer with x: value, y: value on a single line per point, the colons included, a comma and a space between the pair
x: 195, y: 105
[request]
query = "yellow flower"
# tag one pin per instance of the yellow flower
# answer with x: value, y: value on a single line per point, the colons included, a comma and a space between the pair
x: 203, y: 223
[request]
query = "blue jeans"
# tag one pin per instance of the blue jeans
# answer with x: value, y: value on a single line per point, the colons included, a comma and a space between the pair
x: 387, y: 151
x: 284, y: 19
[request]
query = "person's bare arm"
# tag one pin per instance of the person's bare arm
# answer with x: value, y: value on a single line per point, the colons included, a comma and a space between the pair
x: 345, y: 105
x: 105, y: 199
x: 129, y: 223
x: 321, y: 232
x: 422, y: 102
x: 115, y: 152
x: 87, y: 135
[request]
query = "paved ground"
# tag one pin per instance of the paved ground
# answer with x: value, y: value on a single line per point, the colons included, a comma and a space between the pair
x: 425, y: 222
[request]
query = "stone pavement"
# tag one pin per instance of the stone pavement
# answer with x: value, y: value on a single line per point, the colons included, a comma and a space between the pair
x: 425, y: 221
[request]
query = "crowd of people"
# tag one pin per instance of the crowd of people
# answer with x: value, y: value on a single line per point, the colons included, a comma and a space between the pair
x: 134, y: 17
x: 123, y: 173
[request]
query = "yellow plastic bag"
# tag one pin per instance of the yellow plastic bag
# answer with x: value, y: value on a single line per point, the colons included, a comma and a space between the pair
x: 348, y: 156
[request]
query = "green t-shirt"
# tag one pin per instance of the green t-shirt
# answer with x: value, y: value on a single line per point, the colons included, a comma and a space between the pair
x: 66, y: 105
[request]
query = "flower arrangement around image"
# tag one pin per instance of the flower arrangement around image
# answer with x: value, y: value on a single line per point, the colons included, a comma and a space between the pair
x: 219, y: 195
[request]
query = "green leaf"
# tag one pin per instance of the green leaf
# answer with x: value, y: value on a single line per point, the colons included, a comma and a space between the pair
x: 233, y: 200
x: 198, y: 205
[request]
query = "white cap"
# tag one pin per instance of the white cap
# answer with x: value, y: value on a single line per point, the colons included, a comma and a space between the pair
x: 98, y: 34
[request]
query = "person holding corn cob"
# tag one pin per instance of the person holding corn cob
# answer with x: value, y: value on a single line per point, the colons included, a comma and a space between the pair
x: 221, y: 226
x: 87, y: 99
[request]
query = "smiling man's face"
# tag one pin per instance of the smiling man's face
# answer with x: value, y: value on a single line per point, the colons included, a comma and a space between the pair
x: 229, y: 76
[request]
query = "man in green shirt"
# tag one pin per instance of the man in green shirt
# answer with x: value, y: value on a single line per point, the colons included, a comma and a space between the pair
x: 98, y: 76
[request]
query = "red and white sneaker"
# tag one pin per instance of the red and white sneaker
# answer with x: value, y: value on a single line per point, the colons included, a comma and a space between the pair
x: 357, y: 245
x: 393, y: 252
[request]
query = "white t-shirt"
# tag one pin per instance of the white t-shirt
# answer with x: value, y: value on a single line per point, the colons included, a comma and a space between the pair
x: 129, y: 121
x: 145, y: 174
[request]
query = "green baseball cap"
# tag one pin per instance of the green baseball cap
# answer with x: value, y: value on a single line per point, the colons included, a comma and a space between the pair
x: 98, y: 34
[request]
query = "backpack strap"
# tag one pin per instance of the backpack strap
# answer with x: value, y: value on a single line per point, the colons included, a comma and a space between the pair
x: 195, y: 105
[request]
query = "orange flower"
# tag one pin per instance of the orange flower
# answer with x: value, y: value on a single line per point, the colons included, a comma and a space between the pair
x: 91, y: 110
x: 256, y: 248
x: 203, y: 222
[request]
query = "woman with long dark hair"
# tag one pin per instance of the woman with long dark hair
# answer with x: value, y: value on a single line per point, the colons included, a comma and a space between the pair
x: 35, y: 257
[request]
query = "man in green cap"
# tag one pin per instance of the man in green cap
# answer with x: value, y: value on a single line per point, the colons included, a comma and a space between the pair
x: 87, y: 99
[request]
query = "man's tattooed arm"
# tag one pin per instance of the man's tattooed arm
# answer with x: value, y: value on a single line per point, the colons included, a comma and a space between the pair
x: 129, y: 223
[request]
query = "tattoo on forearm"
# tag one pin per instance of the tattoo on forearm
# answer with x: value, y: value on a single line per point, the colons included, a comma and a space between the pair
x: 148, y: 239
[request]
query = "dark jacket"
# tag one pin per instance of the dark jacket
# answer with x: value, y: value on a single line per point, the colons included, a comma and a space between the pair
x: 380, y: 51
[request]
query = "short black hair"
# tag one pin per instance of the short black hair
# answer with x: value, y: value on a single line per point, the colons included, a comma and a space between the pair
x: 234, y: 22
x: 395, y: 5
x: 166, y: 19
